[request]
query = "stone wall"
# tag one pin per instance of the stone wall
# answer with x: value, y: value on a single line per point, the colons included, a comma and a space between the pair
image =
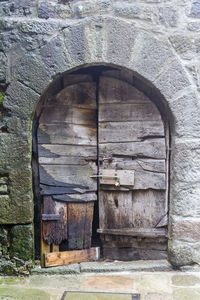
x: 159, y: 40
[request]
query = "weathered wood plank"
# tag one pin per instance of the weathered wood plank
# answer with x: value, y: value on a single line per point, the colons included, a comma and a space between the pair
x: 75, y: 175
x: 67, y: 114
x: 76, y: 225
x: 88, y: 225
x: 128, y: 112
x: 115, y: 209
x: 149, y: 165
x: 110, y: 132
x: 55, y: 190
x: 148, y: 207
x: 54, y: 231
x: 65, y: 160
x: 139, y: 232
x: 154, y: 148
x: 113, y: 90
x: 70, y: 79
x: 67, y: 257
x: 81, y: 95
x: 140, y: 180
x: 86, y: 197
x: 49, y: 150
x: 63, y: 133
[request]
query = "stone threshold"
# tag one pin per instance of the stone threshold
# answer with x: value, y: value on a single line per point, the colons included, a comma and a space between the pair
x: 105, y: 267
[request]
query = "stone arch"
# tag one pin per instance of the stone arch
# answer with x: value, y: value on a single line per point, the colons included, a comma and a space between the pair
x: 116, y: 42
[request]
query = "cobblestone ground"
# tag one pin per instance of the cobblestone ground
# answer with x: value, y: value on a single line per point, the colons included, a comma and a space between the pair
x: 151, y: 285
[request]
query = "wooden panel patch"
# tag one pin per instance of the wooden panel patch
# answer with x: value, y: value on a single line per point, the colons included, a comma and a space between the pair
x: 117, y: 177
x: 66, y: 257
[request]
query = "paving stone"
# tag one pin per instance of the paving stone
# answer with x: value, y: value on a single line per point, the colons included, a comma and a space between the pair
x: 185, y: 280
x: 195, y: 9
x: 186, y: 294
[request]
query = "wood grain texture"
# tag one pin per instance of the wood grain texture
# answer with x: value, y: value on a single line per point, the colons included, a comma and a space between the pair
x: 139, y: 232
x: 57, y: 151
x: 154, y: 148
x: 112, y: 132
x: 128, y: 112
x: 79, y: 225
x: 82, y: 95
x: 113, y: 90
x: 64, y: 134
x: 67, y: 257
x: 115, y: 209
x: 148, y: 207
x: 67, y: 114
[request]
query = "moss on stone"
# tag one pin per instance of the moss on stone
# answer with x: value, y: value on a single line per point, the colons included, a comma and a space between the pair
x: 21, y: 242
x: 1, y: 97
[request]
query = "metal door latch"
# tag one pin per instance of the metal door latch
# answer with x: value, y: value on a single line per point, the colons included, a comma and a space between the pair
x: 101, y: 176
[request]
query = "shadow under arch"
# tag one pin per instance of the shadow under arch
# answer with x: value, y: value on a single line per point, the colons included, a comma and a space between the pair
x: 95, y: 70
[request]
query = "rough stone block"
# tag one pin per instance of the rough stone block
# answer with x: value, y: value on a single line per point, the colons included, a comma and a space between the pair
x: 173, y: 80
x: 52, y: 9
x: 185, y: 280
x: 193, y: 26
x: 185, y: 229
x: 186, y: 112
x: 119, y: 37
x: 131, y: 11
x: 16, y: 100
x: 184, y: 199
x: 75, y: 43
x: 183, y: 45
x: 149, y: 56
x: 36, y: 27
x: 21, y: 242
x: 18, y: 8
x: 85, y: 8
x: 168, y: 16
x: 3, y: 68
x: 182, y: 253
x: 3, y: 188
x: 195, y: 9
x: 185, y: 161
x: 32, y: 72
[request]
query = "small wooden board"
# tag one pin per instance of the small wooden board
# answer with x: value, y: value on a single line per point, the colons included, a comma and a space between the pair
x: 54, y: 259
x: 109, y: 176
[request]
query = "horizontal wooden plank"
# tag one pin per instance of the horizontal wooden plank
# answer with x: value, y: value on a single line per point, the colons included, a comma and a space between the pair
x: 128, y: 112
x: 112, y: 90
x: 150, y: 165
x: 62, y: 133
x: 65, y: 160
x: 72, y: 174
x: 50, y: 217
x: 66, y: 257
x: 81, y: 95
x: 86, y: 197
x: 56, y: 151
x: 139, y: 232
x: 55, y: 190
x: 67, y: 114
x: 110, y: 132
x: 142, y: 181
x: 154, y: 148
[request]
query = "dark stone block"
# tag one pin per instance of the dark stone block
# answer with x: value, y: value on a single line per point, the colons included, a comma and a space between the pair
x: 21, y: 242
x: 195, y: 10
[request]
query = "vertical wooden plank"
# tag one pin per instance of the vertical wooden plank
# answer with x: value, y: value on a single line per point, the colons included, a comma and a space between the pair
x: 88, y: 224
x: 76, y: 225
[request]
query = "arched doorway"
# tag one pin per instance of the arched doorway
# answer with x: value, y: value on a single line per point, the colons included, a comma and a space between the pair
x: 101, y: 167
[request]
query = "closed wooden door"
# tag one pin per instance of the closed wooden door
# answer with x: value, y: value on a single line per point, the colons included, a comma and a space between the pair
x: 132, y: 170
x: 102, y: 138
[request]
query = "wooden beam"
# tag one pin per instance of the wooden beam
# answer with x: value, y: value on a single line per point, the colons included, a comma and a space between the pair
x: 66, y: 257
x: 138, y: 232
